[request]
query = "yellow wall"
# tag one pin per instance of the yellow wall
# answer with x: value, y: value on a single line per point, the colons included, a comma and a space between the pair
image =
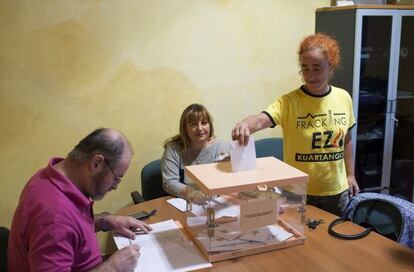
x: 68, y: 67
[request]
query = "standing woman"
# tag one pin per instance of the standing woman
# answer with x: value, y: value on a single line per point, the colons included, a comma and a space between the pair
x: 316, y: 120
x: 195, y: 144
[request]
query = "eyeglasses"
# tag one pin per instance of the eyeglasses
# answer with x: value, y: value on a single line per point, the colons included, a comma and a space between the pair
x: 307, y: 71
x: 116, y: 178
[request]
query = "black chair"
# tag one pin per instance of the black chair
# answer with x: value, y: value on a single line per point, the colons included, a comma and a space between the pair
x: 269, y: 147
x: 4, y: 239
x: 151, y: 183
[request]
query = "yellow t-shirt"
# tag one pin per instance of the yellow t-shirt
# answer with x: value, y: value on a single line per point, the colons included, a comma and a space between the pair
x: 314, y: 129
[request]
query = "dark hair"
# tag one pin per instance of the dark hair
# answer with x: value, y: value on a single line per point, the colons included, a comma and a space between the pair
x: 100, y: 141
x: 193, y: 112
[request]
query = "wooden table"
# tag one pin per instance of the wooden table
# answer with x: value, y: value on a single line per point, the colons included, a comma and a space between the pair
x: 321, y: 252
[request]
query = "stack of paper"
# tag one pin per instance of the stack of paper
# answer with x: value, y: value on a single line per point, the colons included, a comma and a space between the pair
x: 165, y: 248
x: 227, y: 239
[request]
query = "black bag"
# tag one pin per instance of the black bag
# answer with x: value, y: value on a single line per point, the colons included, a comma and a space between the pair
x: 379, y: 215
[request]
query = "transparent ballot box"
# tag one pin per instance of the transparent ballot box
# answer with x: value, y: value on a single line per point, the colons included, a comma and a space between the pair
x: 233, y: 214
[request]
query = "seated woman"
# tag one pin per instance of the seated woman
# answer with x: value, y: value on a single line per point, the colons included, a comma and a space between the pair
x: 195, y: 144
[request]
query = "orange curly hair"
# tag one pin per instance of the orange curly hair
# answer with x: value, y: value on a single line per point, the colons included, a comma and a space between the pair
x: 326, y: 44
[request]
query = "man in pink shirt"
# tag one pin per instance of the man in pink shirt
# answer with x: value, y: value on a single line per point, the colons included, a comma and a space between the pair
x: 54, y: 226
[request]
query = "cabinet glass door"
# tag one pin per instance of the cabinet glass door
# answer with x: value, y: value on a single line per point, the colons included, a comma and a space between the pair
x: 373, y: 92
x: 402, y: 168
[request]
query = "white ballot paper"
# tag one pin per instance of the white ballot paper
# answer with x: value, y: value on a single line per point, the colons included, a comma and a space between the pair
x: 225, y: 241
x: 243, y: 158
x: 165, y: 248
x: 179, y: 203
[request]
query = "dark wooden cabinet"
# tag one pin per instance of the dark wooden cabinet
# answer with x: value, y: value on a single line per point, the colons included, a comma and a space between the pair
x: 377, y: 45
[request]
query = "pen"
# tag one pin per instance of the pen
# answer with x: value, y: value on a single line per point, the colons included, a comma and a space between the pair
x: 153, y: 212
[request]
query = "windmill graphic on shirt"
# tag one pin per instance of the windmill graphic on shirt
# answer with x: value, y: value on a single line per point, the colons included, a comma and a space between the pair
x: 338, y: 139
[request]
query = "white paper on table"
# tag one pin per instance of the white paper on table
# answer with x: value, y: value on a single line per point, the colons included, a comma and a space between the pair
x: 221, y: 205
x: 228, y: 237
x: 212, y: 245
x: 196, y: 221
x: 243, y: 158
x: 262, y: 235
x: 231, y: 211
x: 265, y: 235
x: 220, y: 244
x: 165, y: 248
x: 179, y: 203
x: 198, y: 209
x: 228, y: 231
x: 224, y: 213
x: 280, y: 233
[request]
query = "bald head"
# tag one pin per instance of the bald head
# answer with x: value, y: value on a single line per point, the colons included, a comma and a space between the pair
x: 110, y: 143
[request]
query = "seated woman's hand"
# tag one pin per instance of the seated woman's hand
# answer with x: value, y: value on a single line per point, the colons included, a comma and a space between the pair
x: 196, y: 197
x: 223, y: 157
